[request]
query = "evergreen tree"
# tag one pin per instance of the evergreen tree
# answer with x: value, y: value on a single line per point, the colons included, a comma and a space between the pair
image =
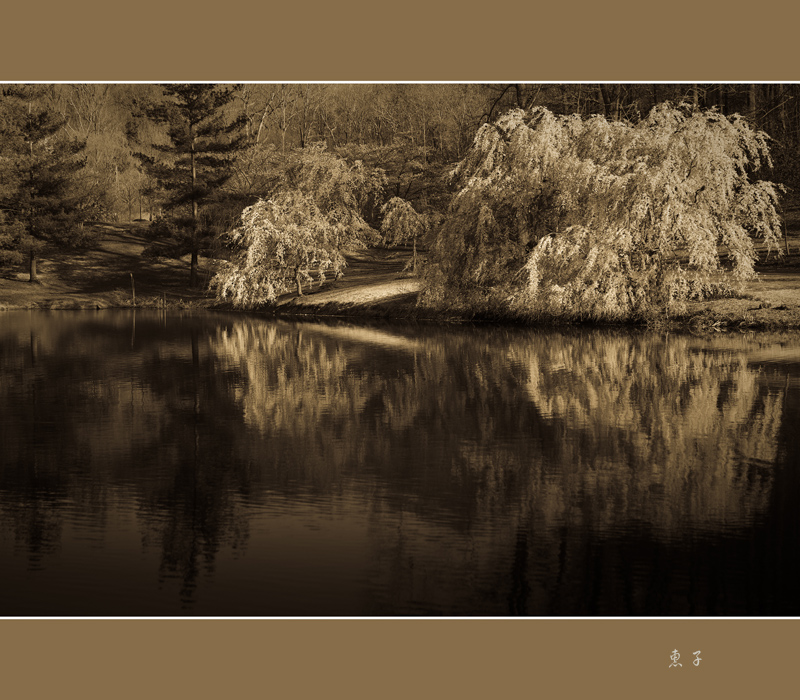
x: 39, y: 204
x: 192, y: 167
x: 106, y: 118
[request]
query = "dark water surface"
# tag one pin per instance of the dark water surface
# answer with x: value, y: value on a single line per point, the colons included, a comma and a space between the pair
x: 179, y: 464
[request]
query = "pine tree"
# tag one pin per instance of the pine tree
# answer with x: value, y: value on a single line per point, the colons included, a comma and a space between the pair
x: 39, y: 204
x: 106, y: 118
x: 192, y: 168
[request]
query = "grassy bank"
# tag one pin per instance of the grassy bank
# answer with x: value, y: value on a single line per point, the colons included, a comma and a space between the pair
x: 375, y: 286
x: 110, y: 274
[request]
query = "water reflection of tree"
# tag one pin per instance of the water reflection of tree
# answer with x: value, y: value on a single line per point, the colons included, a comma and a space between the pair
x: 42, y: 472
x: 518, y: 441
x: 659, y: 423
x: 189, y: 506
x: 91, y: 417
x: 501, y: 470
x: 614, y: 423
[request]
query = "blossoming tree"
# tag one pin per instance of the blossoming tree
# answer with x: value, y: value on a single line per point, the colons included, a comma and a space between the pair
x: 403, y: 224
x: 567, y: 216
x: 300, y: 231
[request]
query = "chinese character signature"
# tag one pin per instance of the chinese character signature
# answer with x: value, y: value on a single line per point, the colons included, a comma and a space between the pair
x: 675, y: 656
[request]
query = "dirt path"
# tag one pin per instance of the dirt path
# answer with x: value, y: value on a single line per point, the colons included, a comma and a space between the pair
x: 375, y: 283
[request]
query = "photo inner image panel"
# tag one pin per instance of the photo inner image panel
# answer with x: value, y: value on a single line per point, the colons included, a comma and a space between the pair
x: 389, y: 350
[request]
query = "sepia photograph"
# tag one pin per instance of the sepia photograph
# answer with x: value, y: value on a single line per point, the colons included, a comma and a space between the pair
x: 391, y: 350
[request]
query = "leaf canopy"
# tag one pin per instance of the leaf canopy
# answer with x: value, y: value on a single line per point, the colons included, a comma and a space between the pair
x: 312, y: 217
x: 579, y: 216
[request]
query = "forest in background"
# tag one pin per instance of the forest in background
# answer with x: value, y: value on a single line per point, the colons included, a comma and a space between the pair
x: 354, y: 164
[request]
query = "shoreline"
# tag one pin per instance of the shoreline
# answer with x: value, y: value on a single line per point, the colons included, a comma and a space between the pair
x: 375, y: 286
x: 752, y: 312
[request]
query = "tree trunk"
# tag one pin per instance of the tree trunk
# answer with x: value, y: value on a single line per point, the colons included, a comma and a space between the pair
x: 753, y: 101
x: 719, y: 97
x: 34, y: 277
x: 603, y: 99
x: 610, y: 102
x: 297, y: 278
x: 193, y: 268
x: 783, y: 120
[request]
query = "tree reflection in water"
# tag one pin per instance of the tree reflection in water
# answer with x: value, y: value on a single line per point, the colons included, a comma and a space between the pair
x: 481, y: 470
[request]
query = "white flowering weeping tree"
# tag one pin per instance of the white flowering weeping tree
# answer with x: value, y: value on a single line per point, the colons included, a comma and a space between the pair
x: 403, y: 224
x: 301, y: 231
x: 572, y: 217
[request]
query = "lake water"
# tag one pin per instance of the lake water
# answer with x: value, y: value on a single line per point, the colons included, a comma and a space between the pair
x: 156, y: 463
